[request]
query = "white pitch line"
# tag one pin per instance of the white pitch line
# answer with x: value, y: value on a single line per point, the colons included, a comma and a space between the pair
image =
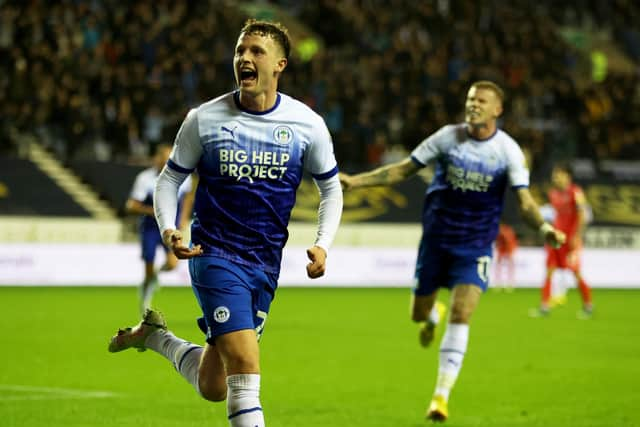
x: 25, y: 392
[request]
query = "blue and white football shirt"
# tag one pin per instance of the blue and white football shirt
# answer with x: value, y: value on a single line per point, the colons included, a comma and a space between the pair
x: 464, y: 202
x: 142, y: 191
x: 250, y: 164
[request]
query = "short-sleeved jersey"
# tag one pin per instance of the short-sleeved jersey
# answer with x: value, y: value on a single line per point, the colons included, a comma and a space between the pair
x: 566, y: 204
x: 142, y: 191
x: 464, y: 202
x: 250, y: 165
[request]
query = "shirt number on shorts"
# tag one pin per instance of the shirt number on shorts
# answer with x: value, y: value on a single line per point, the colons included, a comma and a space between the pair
x: 260, y: 315
x: 483, y: 268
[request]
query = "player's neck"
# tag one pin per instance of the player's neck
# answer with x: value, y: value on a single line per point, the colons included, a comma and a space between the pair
x: 482, y: 132
x: 260, y: 102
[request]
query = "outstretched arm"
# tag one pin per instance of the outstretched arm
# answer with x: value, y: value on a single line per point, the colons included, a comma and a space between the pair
x: 530, y: 213
x: 385, y: 175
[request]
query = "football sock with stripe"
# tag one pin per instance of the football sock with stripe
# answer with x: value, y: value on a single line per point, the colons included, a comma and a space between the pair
x: 452, y: 350
x: 184, y: 355
x: 243, y: 401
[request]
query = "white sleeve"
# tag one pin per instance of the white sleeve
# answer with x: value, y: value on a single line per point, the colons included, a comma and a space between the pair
x: 319, y: 158
x: 329, y: 211
x: 517, y: 166
x: 187, y: 148
x: 429, y: 148
x: 139, y: 190
x: 185, y: 156
x: 165, y: 198
x: 185, y: 187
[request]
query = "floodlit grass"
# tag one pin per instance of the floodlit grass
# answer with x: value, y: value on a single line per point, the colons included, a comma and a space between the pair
x: 330, y: 357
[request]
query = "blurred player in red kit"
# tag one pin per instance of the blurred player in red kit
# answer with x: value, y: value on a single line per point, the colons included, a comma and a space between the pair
x: 570, y: 206
x: 506, y: 245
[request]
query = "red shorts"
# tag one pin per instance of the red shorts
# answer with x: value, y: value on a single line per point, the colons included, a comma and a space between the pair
x: 563, y: 257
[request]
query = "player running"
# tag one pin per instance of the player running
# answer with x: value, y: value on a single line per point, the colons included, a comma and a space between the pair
x: 249, y: 148
x: 140, y: 202
x: 506, y: 245
x: 571, y: 212
x: 475, y: 161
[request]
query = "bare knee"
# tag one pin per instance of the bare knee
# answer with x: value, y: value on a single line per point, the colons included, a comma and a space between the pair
x: 242, y: 364
x: 460, y: 313
x: 214, y: 391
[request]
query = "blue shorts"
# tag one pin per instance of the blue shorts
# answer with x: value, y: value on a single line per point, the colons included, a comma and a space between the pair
x: 232, y: 296
x: 439, y: 267
x: 150, y: 240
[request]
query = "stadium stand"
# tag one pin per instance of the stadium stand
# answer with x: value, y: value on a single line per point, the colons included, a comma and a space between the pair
x: 113, y: 181
x: 28, y: 191
x: 100, y: 83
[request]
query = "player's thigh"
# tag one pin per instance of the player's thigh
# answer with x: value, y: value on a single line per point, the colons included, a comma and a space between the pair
x: 421, y: 306
x: 464, y: 300
x: 573, y: 259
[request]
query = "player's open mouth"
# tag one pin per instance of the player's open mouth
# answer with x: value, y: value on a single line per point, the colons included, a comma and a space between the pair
x: 248, y: 75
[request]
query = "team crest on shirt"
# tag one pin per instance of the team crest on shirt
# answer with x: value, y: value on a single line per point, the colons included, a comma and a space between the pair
x: 221, y: 314
x: 283, y: 134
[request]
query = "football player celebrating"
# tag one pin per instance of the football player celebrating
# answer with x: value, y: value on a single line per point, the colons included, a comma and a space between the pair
x: 475, y: 161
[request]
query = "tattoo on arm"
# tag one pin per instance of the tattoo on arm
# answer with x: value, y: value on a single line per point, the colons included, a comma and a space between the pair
x: 387, y: 175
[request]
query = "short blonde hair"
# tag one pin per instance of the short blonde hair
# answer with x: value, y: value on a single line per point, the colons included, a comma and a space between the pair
x: 275, y: 30
x: 486, y: 84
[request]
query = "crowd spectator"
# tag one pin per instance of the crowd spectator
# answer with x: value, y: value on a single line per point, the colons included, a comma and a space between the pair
x: 110, y: 80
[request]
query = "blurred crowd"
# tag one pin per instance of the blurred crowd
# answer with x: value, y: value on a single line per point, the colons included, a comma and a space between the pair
x: 108, y: 79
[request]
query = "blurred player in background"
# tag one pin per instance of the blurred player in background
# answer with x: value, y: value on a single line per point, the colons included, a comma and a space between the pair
x: 571, y: 215
x: 506, y: 245
x: 140, y: 202
x: 475, y: 161
x: 249, y: 147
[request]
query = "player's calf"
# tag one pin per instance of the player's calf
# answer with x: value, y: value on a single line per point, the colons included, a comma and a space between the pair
x: 212, y: 376
x: 211, y: 391
x: 427, y: 330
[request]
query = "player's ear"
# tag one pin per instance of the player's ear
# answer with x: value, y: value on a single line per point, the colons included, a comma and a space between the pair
x: 281, y: 65
x: 498, y: 110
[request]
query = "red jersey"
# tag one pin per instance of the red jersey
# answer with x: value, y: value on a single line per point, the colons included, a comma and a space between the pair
x: 566, y: 204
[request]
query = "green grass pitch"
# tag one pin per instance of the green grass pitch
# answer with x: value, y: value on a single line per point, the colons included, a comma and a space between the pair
x: 330, y: 357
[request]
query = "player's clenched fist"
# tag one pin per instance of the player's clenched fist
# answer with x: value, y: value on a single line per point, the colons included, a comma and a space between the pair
x: 173, y: 240
x: 318, y: 258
